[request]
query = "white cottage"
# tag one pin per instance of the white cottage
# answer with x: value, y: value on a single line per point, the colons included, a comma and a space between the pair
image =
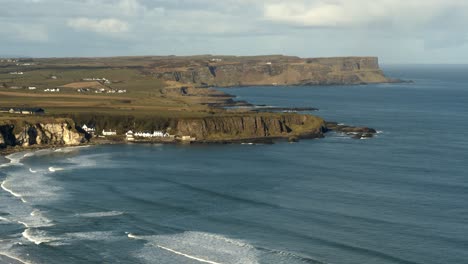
x: 130, y: 135
x: 109, y: 133
x: 90, y: 130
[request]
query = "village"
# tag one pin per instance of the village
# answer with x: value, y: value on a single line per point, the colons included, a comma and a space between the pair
x: 22, y: 110
x: 130, y: 135
x: 139, y: 136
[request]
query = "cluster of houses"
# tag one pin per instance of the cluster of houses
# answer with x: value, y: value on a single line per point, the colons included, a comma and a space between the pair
x: 17, y: 73
x: 101, y: 90
x: 52, y: 90
x: 103, y: 80
x: 216, y: 60
x: 116, y: 91
x: 130, y: 135
x: 22, y: 110
x: 8, y: 60
x: 150, y: 135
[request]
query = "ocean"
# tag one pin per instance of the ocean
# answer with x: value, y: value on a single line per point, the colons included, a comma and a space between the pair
x: 400, y: 197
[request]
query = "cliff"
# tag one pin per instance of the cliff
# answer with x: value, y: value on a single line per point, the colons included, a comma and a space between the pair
x: 276, y: 70
x: 240, y: 127
x: 22, y: 133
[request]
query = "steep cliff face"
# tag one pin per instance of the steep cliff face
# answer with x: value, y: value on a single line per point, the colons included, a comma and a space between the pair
x: 349, y: 70
x: 251, y: 126
x: 27, y: 134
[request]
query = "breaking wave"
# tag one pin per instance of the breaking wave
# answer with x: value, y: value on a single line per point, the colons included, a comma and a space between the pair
x: 199, y: 246
x: 54, y: 169
x: 5, y: 188
x: 100, y: 214
x: 212, y: 249
x: 37, y: 236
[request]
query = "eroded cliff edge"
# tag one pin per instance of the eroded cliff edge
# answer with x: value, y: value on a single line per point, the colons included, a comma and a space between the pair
x: 51, y: 132
x: 259, y: 126
x: 274, y: 70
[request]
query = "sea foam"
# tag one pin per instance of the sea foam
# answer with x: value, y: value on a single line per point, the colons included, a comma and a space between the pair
x: 54, y: 169
x: 100, y: 214
x: 17, y: 195
x: 37, y: 236
x: 8, y: 255
x: 199, y: 246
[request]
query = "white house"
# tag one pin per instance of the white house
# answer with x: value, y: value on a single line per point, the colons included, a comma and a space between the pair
x: 109, y: 133
x: 129, y: 135
x: 89, y: 129
x: 187, y: 138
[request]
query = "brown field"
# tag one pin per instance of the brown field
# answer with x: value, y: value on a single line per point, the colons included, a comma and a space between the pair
x: 90, y: 84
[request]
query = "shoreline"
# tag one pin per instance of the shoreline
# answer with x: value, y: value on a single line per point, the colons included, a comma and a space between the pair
x: 259, y: 140
x: 351, y: 131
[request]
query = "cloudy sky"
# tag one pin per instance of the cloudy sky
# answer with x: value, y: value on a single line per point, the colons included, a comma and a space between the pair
x: 398, y: 31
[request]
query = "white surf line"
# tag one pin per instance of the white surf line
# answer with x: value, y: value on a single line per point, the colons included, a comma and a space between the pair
x: 187, y: 256
x: 26, y: 235
x: 54, y: 169
x: 12, y: 192
x: 130, y: 235
x: 32, y: 171
x: 23, y: 223
x: 15, y: 258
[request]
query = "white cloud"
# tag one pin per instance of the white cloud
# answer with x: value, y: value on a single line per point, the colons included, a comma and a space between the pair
x: 356, y: 13
x: 130, y: 7
x: 106, y: 26
x: 25, y: 32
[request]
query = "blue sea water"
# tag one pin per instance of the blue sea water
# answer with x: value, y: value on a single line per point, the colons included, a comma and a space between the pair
x: 400, y: 197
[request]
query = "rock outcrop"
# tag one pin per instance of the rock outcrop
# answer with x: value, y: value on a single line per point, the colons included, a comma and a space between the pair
x: 277, y: 71
x: 238, y: 127
x: 25, y: 134
x: 354, y: 132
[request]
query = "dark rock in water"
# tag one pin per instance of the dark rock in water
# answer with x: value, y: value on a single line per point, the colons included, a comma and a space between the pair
x: 361, y: 135
x: 355, y: 132
x: 293, y: 139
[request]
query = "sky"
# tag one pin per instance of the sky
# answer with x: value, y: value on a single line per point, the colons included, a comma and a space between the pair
x: 397, y: 31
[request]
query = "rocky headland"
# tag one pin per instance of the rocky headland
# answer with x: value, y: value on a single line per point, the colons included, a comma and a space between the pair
x: 272, y: 70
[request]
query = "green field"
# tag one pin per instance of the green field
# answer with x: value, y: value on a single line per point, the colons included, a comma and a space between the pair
x: 145, y: 95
